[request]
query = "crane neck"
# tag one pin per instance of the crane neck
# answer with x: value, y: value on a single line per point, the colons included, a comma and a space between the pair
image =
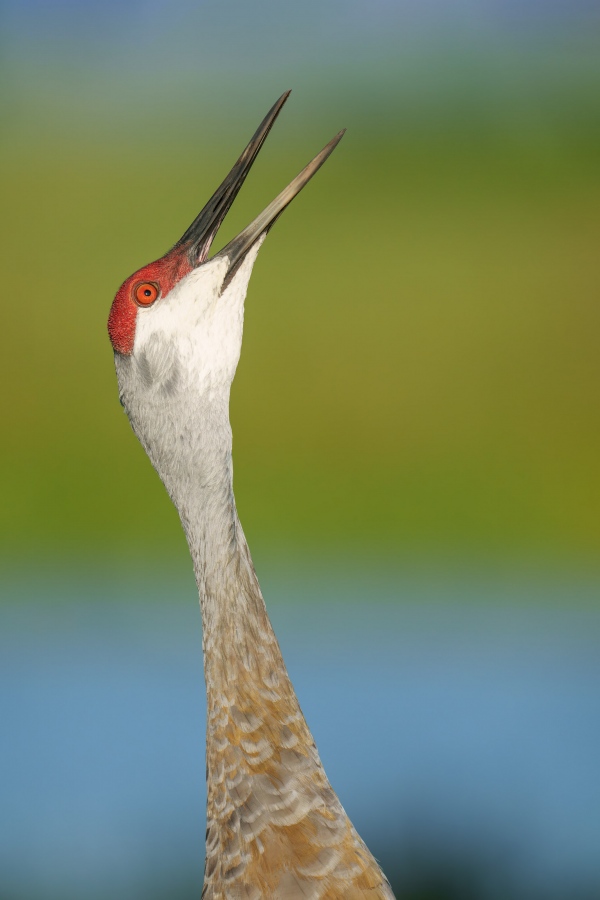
x: 275, y: 828
x: 240, y: 648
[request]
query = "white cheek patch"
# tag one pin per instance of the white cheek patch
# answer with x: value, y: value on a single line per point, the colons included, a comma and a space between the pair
x: 195, y: 327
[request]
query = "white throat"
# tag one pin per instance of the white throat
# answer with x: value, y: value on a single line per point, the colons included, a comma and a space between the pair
x: 175, y: 389
x: 198, y: 325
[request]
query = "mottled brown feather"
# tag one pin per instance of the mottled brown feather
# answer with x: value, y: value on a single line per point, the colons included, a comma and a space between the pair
x: 275, y: 826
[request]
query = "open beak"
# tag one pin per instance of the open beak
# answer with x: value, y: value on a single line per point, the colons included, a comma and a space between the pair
x: 197, y: 240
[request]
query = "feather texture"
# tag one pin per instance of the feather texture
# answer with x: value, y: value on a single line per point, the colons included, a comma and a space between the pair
x: 275, y: 827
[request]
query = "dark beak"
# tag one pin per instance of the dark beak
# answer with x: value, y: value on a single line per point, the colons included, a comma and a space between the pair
x: 236, y: 249
x: 198, y: 238
x: 201, y: 233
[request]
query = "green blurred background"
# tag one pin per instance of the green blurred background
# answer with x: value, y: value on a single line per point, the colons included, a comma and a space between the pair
x: 420, y: 371
x: 416, y: 424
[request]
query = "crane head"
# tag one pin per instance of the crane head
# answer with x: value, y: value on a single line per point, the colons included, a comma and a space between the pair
x: 187, y: 308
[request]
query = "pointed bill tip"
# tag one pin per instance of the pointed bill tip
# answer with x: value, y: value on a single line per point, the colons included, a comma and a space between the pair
x: 199, y: 236
x: 237, y: 248
x: 320, y: 158
x: 273, y: 112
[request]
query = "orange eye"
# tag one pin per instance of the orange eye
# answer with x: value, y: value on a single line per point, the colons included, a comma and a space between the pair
x: 146, y: 293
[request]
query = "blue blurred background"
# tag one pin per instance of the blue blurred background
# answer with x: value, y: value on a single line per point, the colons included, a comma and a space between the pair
x: 416, y: 432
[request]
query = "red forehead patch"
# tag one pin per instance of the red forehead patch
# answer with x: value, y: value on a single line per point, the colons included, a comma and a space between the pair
x: 165, y: 272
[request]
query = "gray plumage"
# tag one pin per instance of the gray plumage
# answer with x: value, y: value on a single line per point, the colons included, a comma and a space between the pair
x: 275, y: 827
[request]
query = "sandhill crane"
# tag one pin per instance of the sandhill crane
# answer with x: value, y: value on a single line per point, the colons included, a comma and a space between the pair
x: 275, y: 827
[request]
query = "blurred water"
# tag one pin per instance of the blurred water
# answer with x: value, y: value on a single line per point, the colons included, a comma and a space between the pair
x: 462, y: 737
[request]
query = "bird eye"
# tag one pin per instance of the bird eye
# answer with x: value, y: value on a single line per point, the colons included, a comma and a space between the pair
x: 146, y: 293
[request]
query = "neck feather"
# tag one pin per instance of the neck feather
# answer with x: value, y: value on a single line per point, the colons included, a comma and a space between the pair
x: 275, y: 828
x: 242, y: 659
